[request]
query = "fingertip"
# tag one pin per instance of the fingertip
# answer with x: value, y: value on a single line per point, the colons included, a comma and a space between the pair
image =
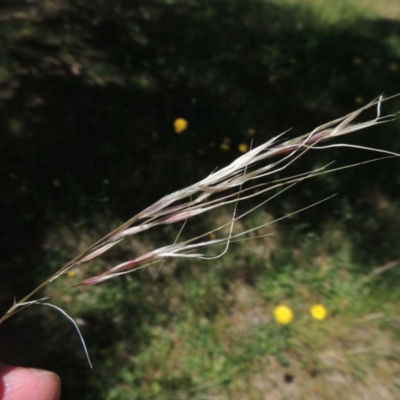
x: 28, y: 384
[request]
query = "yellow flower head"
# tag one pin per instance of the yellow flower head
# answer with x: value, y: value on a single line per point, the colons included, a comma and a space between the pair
x: 283, y: 314
x: 243, y: 147
x: 70, y: 274
x: 225, y: 146
x: 180, y: 124
x: 359, y: 100
x: 319, y: 312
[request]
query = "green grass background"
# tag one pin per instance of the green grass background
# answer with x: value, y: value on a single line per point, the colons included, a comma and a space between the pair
x: 88, y: 95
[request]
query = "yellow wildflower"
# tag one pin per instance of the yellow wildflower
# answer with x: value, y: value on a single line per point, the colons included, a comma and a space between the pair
x: 180, y: 125
x: 70, y: 274
x: 319, y: 312
x: 359, y: 100
x: 243, y: 148
x: 283, y: 314
x: 225, y: 146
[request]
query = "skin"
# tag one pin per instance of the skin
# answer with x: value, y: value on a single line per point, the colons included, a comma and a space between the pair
x: 18, y: 383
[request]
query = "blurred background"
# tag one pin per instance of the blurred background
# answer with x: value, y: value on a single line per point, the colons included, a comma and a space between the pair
x: 89, y: 92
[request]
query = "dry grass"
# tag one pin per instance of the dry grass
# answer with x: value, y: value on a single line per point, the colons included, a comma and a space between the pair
x: 214, y: 192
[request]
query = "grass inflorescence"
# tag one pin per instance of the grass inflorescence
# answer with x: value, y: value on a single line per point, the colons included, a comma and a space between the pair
x: 241, y: 180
